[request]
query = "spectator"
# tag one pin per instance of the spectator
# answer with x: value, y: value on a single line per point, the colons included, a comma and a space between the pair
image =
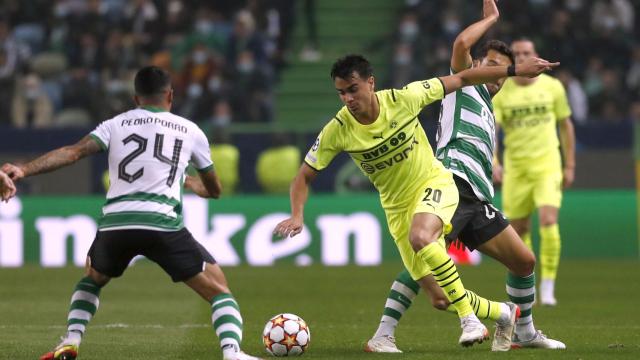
x: 31, y: 105
x: 576, y: 95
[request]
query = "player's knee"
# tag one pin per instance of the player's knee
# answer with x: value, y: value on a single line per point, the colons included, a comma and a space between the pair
x: 548, y: 220
x: 97, y: 277
x: 525, y: 265
x: 423, y: 237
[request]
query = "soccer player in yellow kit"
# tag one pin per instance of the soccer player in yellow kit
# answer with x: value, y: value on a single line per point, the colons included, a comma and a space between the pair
x: 529, y: 110
x: 382, y: 134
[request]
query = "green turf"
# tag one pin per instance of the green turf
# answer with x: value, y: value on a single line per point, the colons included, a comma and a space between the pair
x: 145, y: 316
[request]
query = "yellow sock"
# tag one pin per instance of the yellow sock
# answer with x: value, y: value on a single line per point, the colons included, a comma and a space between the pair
x: 446, y: 275
x: 549, y: 251
x: 483, y: 308
x: 526, y: 237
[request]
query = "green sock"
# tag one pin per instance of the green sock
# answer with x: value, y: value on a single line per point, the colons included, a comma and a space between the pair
x: 521, y: 291
x: 403, y: 290
x: 84, y: 304
x: 446, y: 275
x: 227, y: 322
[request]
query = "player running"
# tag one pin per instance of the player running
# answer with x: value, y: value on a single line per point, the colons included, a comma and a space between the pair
x: 529, y: 111
x: 465, y: 146
x: 149, y: 149
x: 381, y: 132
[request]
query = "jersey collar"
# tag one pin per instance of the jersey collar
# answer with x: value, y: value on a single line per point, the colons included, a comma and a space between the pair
x: 152, y: 108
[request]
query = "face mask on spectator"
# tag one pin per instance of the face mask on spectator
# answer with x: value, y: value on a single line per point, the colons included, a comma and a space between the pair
x: 221, y: 120
x: 402, y: 58
x: 204, y: 26
x: 199, y: 57
x: 452, y: 26
x: 214, y: 84
x: 194, y: 90
x: 246, y: 66
x: 31, y: 93
x: 409, y: 30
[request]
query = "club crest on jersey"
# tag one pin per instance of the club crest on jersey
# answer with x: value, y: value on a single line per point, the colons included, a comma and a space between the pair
x: 393, y: 124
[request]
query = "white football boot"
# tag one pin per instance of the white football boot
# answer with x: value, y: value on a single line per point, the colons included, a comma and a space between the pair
x: 539, y: 341
x: 473, y: 331
x: 382, y: 344
x: 504, y: 329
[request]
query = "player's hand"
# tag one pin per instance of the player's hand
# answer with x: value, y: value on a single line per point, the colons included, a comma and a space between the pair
x: 288, y: 228
x: 7, y: 187
x: 568, y: 175
x: 15, y: 172
x: 490, y: 9
x: 497, y: 173
x: 534, y: 66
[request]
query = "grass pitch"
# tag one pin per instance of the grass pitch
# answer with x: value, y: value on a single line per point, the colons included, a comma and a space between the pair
x: 144, y: 316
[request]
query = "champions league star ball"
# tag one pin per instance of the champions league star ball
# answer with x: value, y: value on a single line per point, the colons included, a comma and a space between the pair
x: 286, y: 335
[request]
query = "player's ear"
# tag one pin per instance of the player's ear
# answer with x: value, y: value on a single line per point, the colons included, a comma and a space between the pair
x: 372, y: 83
x: 170, y: 96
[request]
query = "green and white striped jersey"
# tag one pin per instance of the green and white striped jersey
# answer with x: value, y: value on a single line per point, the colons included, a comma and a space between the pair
x: 149, y: 150
x: 466, y: 137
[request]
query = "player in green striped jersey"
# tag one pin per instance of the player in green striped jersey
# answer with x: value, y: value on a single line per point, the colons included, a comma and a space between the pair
x: 466, y: 143
x: 143, y: 213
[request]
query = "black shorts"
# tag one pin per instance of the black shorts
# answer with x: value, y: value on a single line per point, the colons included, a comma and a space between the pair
x: 177, y: 252
x: 474, y: 222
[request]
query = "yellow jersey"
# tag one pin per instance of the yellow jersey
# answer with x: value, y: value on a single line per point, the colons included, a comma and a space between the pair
x: 529, y: 115
x: 393, y: 151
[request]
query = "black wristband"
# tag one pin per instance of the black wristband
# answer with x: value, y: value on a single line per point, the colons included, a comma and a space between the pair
x: 511, y: 70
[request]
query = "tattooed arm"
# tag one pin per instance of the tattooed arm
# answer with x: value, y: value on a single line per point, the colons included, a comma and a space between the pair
x: 53, y: 160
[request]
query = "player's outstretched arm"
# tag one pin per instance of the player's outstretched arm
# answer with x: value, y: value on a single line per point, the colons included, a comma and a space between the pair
x: 461, y: 55
x: 530, y: 68
x: 298, y: 195
x: 206, y: 185
x: 53, y: 160
x: 7, y: 187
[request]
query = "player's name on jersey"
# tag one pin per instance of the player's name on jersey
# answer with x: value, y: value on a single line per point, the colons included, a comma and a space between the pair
x: 154, y: 120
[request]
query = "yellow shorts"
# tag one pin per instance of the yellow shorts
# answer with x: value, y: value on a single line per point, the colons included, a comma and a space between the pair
x: 527, y: 186
x: 440, y: 198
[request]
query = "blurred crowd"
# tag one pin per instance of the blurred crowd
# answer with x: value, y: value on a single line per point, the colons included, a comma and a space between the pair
x: 71, y: 62
x: 596, y: 41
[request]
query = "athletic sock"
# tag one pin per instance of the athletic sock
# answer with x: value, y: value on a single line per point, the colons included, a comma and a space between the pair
x: 521, y: 291
x: 403, y: 290
x: 84, y: 304
x: 484, y: 308
x: 549, y: 251
x: 227, y: 322
x: 446, y: 275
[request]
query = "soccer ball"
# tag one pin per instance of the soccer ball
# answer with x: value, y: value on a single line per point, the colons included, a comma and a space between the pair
x: 286, y: 335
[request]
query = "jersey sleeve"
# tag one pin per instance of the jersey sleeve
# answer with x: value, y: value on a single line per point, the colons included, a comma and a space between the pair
x: 102, y: 134
x: 325, y: 148
x: 419, y: 94
x: 201, y: 153
x: 560, y: 102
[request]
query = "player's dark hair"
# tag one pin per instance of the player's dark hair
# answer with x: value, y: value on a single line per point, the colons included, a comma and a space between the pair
x: 345, y: 66
x: 151, y: 81
x: 498, y: 46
